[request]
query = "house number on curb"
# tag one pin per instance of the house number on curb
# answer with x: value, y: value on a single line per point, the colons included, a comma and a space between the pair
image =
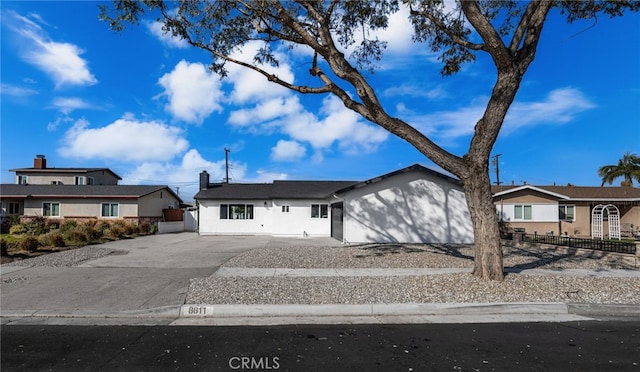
x: 197, y: 310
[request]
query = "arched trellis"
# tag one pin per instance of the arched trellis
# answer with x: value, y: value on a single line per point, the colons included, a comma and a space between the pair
x: 597, y: 218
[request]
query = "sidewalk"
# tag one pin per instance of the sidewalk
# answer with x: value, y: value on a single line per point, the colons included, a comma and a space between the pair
x: 148, y: 285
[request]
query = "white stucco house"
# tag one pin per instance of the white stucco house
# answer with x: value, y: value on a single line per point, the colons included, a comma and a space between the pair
x: 411, y: 205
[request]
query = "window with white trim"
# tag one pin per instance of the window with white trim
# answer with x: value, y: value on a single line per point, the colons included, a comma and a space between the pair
x: 79, y: 180
x: 90, y: 180
x: 50, y: 209
x: 236, y: 211
x: 319, y: 210
x: 13, y: 208
x: 110, y: 210
x: 522, y: 212
x: 566, y: 212
x: 285, y: 209
x: 23, y: 180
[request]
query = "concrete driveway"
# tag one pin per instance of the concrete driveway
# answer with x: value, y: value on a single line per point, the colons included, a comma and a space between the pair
x: 154, y: 272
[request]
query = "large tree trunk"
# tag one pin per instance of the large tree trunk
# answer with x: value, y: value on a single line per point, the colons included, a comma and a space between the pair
x: 488, y: 246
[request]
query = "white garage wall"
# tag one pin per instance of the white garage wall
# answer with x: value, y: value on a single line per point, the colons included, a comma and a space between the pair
x: 412, y: 207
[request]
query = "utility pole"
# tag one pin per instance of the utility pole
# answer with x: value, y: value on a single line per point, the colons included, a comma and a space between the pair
x: 226, y: 163
x: 496, y: 163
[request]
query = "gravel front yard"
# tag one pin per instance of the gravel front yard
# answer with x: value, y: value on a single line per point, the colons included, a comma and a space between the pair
x: 441, y: 288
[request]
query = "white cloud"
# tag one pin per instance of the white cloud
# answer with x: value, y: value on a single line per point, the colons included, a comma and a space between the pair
x: 415, y: 91
x: 559, y: 107
x: 124, y: 140
x: 166, y: 38
x: 288, y: 151
x: 249, y: 85
x: 69, y: 104
x: 16, y: 91
x: 194, y: 93
x: 182, y: 176
x: 60, y: 60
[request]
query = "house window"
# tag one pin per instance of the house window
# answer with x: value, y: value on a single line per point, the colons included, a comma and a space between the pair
x: 236, y: 211
x: 90, y: 180
x: 566, y: 212
x: 522, y: 212
x: 79, y: 180
x: 51, y: 209
x: 56, y: 182
x: 23, y: 180
x: 319, y: 210
x: 13, y: 208
x: 285, y: 209
x: 110, y: 210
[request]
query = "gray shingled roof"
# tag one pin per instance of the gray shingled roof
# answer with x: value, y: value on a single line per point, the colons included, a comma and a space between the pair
x: 86, y: 191
x: 299, y: 189
x: 275, y: 190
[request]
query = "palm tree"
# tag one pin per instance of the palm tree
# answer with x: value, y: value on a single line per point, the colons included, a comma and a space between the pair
x: 628, y: 167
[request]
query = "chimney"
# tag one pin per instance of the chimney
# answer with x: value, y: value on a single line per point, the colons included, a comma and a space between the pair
x: 204, y: 180
x: 40, y: 162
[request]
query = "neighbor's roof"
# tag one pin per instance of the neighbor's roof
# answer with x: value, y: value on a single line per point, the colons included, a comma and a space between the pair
x: 275, y: 190
x: 578, y: 193
x: 80, y: 191
x: 64, y: 170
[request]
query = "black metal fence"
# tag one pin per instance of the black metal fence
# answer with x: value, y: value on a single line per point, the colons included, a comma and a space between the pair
x: 596, y: 244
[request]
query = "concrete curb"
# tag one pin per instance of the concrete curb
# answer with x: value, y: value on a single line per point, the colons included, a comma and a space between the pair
x: 206, y: 310
x: 224, y: 314
x: 169, y: 312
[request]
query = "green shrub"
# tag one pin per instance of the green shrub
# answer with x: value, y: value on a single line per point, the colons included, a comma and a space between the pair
x: 145, y: 228
x: 52, y: 224
x: 116, y: 231
x: 68, y: 226
x: 18, y: 229
x: 90, y: 231
x: 51, y: 239
x: 37, y: 226
x: 29, y: 244
x: 78, y: 237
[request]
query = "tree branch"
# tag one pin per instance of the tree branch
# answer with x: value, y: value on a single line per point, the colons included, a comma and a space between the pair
x: 502, y: 57
x: 454, y: 37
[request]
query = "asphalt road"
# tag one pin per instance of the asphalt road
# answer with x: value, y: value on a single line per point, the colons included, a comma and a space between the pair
x: 577, y: 346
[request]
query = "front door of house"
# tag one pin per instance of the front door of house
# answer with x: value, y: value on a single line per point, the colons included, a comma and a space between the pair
x: 337, y: 220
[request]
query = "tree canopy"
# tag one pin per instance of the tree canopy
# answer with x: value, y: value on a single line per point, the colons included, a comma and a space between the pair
x: 628, y: 167
x: 508, y: 31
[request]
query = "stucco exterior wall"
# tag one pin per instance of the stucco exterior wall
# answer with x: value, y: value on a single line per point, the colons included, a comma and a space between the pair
x: 297, y: 221
x: 152, y: 205
x: 67, y: 178
x: 413, y: 207
x: 82, y: 207
x: 211, y: 224
x: 267, y: 219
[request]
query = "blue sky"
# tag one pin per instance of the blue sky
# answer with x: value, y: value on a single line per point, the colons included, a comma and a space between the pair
x: 147, y: 107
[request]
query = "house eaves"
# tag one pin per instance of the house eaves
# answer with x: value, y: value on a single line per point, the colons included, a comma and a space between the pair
x: 63, y: 170
x: 411, y: 168
x: 533, y: 188
x: 80, y: 191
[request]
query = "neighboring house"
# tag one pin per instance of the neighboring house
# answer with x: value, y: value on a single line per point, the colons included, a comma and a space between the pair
x: 565, y: 210
x: 41, y: 175
x: 411, y: 205
x: 82, y: 193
